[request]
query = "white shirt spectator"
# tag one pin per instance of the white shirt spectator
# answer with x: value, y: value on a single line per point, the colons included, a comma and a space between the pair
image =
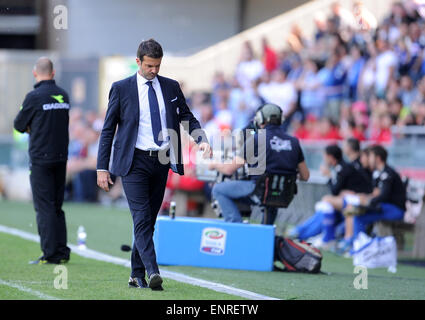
x: 281, y: 93
x: 248, y: 71
x: 384, y: 62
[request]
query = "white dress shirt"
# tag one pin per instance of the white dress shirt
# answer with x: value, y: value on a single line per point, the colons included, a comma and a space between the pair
x: 145, y: 139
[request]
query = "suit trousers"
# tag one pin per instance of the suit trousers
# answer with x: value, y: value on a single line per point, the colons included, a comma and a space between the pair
x: 144, y: 188
x: 48, y: 186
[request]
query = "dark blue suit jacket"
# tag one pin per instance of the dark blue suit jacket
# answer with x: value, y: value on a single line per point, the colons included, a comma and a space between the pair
x: 123, y: 111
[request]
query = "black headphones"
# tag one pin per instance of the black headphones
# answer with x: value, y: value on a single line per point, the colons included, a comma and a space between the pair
x: 260, y: 118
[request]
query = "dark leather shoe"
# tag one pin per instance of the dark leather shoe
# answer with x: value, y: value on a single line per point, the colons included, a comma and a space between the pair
x: 155, y: 282
x: 159, y: 288
x: 137, y: 283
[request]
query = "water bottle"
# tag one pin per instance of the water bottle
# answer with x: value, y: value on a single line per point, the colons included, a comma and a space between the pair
x: 173, y: 209
x: 81, y: 238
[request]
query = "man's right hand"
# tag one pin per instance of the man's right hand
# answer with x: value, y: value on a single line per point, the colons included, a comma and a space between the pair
x: 103, y: 180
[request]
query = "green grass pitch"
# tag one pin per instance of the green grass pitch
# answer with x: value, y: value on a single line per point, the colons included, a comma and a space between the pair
x: 108, y: 228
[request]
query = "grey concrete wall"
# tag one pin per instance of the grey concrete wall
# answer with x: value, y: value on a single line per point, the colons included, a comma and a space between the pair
x: 109, y: 27
x: 257, y: 11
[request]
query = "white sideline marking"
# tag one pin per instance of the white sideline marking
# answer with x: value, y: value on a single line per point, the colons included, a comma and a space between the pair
x: 28, y: 290
x: 96, y: 255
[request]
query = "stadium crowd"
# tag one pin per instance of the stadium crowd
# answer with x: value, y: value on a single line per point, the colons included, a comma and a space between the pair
x: 353, y: 78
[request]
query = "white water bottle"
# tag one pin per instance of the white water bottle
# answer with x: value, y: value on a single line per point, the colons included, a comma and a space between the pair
x: 81, y: 238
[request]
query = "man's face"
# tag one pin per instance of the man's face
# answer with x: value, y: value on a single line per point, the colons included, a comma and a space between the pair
x: 364, y: 160
x: 149, y: 67
x: 372, y: 161
x: 329, y: 160
x: 345, y: 148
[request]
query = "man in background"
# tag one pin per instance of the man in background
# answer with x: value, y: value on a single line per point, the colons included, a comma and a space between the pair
x: 45, y: 116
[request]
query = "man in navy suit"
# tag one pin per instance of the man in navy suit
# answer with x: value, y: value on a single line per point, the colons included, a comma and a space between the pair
x: 148, y: 110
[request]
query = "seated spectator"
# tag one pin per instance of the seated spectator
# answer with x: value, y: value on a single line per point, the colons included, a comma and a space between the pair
x: 81, y: 170
x: 327, y: 130
x: 417, y: 116
x: 395, y: 107
x: 342, y: 177
x: 187, y: 183
x: 381, y: 132
x: 306, y: 129
x: 387, y: 201
x: 408, y: 91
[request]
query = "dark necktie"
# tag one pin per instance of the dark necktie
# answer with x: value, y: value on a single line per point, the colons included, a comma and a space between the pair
x: 155, y: 116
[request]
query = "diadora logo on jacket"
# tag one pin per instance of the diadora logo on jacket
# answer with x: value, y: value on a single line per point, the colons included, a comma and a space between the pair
x: 58, y: 98
x: 53, y: 106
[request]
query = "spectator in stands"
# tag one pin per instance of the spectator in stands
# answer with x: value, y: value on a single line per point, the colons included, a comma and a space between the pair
x: 386, y: 64
x: 82, y: 169
x: 320, y: 23
x: 358, y: 90
x: 407, y: 92
x: 365, y: 19
x: 242, y: 103
x: 249, y: 68
x: 327, y: 130
x: 366, y: 85
x: 342, y: 17
x: 395, y: 108
x: 354, y: 71
x: 382, y: 128
x: 306, y: 128
x: 280, y: 92
x: 220, y: 89
x: 334, y: 86
x: 295, y: 39
x: 417, y: 116
x: 309, y: 85
x: 270, y: 58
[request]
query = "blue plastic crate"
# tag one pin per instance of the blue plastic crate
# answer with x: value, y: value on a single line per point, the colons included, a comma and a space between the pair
x: 214, y: 243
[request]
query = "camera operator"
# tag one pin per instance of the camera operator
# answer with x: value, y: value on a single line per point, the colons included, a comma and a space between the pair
x: 281, y: 154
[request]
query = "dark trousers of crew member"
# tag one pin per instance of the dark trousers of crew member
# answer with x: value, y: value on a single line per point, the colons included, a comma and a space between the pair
x: 48, y: 185
x: 269, y: 216
x: 144, y: 188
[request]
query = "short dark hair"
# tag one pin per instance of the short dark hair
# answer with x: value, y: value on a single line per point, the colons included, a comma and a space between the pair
x: 150, y: 48
x: 334, y: 151
x: 380, y: 152
x: 353, y: 144
x: 365, y: 150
